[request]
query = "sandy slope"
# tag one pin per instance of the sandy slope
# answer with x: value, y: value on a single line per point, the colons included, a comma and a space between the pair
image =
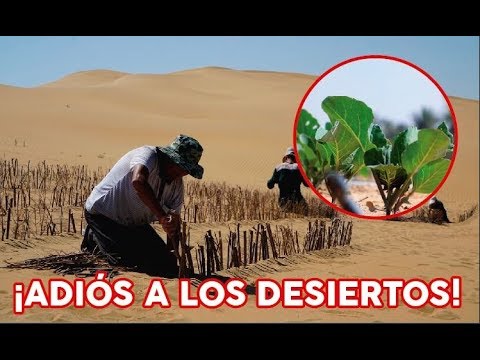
x: 95, y: 118
x: 244, y: 120
x: 409, y: 252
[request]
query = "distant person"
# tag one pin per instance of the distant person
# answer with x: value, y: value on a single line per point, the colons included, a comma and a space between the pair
x: 145, y: 185
x: 436, y: 212
x: 288, y: 177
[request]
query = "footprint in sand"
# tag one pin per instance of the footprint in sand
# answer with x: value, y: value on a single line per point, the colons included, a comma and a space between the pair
x: 371, y: 207
x: 58, y: 318
x: 468, y: 266
x: 426, y: 309
x: 446, y: 315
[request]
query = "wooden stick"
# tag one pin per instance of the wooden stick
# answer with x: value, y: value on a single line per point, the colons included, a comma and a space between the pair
x: 220, y: 249
x: 17, y: 220
x: 263, y: 239
x: 197, y: 257
x: 186, y: 247
x: 68, y: 227
x: 25, y: 225
x: 81, y: 223
x: 202, y: 257
x: 228, y: 251
x: 296, y: 239
x: 244, y: 248
x: 256, y: 243
x: 61, y: 219
x: 9, y: 215
x: 73, y: 223
x: 209, y: 250
x: 215, y: 254
x: 272, y: 241
x: 251, y: 254
x: 239, y: 249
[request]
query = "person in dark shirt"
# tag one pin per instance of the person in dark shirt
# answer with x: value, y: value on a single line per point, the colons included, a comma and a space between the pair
x: 288, y: 177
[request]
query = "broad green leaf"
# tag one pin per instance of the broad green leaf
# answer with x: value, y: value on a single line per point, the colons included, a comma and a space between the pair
x: 305, y: 152
x: 310, y: 163
x: 306, y: 140
x: 376, y: 136
x: 400, y: 143
x: 364, y: 172
x: 430, y: 175
x: 324, y: 152
x: 443, y: 126
x: 432, y: 144
x: 321, y: 132
x: 390, y: 175
x: 340, y: 143
x: 353, y: 164
x: 314, y: 156
x: 378, y: 156
x: 307, y: 124
x: 305, y: 147
x: 354, y: 116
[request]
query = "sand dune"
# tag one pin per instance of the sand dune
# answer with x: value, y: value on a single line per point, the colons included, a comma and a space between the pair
x: 103, y: 113
x: 244, y: 119
x: 87, y: 78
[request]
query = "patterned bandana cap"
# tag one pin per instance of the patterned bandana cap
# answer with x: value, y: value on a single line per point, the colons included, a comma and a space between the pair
x: 289, y: 151
x: 186, y: 152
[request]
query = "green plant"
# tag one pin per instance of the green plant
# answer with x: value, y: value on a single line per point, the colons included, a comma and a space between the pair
x: 413, y: 161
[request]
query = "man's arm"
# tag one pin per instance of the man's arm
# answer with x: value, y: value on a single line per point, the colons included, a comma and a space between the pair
x: 274, y: 179
x: 146, y: 194
x: 145, y: 191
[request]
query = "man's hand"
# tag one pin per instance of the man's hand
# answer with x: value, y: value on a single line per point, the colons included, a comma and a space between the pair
x: 170, y: 224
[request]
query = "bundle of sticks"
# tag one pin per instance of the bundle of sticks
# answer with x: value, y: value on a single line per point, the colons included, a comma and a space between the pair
x: 179, y: 242
x: 79, y: 264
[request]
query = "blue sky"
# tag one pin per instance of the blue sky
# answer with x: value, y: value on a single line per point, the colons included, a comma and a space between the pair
x: 392, y: 89
x: 31, y: 61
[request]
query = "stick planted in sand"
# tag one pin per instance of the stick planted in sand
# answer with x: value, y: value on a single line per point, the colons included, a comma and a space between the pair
x: 209, y: 251
x: 220, y: 249
x: 9, y: 215
x: 244, y: 248
x: 201, y: 259
x: 239, y: 252
x: 272, y: 241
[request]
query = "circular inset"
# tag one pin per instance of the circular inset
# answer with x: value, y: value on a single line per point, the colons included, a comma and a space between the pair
x: 375, y: 136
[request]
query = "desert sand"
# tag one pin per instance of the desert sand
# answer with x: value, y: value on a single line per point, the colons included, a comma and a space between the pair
x: 244, y: 120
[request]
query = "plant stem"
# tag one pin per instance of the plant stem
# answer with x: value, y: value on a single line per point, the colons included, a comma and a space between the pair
x: 397, y: 204
x: 394, y: 198
x: 389, y: 201
x: 380, y: 190
x: 398, y: 193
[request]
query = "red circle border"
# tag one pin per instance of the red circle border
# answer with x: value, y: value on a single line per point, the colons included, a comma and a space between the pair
x: 455, y: 135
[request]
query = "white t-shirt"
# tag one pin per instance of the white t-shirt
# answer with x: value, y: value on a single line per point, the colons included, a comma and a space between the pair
x: 116, y: 198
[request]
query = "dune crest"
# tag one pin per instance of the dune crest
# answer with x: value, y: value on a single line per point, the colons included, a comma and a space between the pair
x: 86, y: 78
x: 96, y: 116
